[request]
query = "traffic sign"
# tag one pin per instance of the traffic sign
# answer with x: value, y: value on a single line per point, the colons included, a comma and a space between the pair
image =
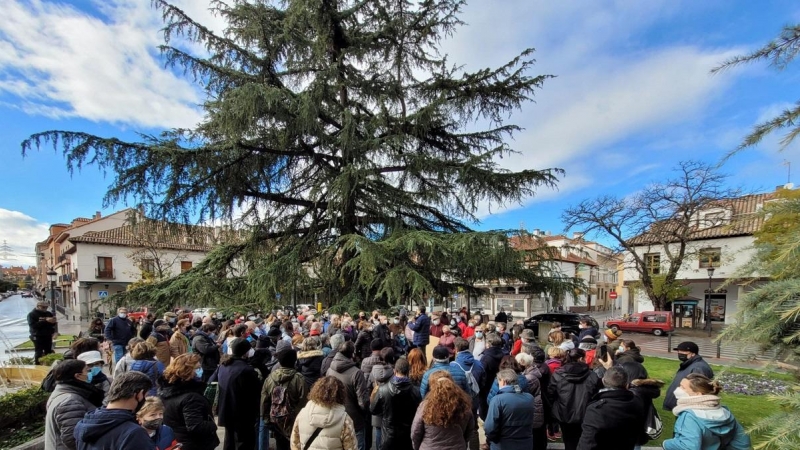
x: 102, y: 293
x: 612, y: 295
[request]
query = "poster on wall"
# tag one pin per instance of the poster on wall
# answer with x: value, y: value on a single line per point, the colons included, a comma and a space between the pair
x: 718, y: 307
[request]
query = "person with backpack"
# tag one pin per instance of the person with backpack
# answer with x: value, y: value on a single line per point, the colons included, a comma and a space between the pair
x: 396, y: 403
x: 323, y: 423
x: 124, y: 364
x: 441, y: 361
x: 238, y: 407
x: 144, y: 361
x: 357, y: 399
x: 283, y: 395
x: 475, y: 380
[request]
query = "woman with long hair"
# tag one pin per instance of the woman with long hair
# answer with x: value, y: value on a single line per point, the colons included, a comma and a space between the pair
x: 416, y: 359
x: 324, y: 412
x: 186, y: 409
x: 444, y: 420
x: 702, y: 422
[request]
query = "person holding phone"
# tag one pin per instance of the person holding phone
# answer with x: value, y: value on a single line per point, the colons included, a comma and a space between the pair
x: 42, y: 327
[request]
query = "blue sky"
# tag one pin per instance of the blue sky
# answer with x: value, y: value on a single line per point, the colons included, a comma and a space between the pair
x: 632, y: 97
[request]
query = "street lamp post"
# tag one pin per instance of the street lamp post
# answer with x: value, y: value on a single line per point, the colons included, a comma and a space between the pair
x: 52, y: 275
x: 708, y: 300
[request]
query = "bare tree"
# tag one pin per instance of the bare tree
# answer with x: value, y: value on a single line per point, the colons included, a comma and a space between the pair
x: 154, y: 250
x: 662, y: 218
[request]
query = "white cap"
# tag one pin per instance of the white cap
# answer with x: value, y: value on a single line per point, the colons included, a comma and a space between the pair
x: 91, y: 357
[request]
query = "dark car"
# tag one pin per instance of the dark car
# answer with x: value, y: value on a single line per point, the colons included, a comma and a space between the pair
x: 569, y: 321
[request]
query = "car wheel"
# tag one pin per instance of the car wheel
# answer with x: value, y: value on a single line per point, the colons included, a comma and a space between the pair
x: 658, y: 332
x: 614, y: 328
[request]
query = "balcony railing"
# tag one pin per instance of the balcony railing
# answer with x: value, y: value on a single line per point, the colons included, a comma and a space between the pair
x: 107, y: 274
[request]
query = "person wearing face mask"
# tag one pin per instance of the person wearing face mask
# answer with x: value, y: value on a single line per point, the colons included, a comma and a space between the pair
x: 94, y: 362
x: 151, y: 418
x: 461, y: 323
x: 186, y: 409
x: 179, y: 342
x: 448, y: 340
x: 119, y: 331
x: 238, y: 405
x: 469, y: 330
x: 381, y: 331
x: 436, y: 326
x: 396, y: 327
x: 477, y: 342
x: 702, y: 422
x: 363, y: 340
x: 115, y: 426
x: 691, y: 362
x: 71, y: 399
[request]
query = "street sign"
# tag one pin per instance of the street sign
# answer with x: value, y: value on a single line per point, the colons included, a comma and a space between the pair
x: 612, y: 295
x: 102, y: 293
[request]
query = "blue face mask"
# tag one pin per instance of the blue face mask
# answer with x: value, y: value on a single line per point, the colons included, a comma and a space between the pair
x: 198, y: 373
x: 92, y: 373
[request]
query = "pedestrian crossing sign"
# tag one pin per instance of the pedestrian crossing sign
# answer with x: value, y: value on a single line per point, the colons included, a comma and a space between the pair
x: 102, y: 293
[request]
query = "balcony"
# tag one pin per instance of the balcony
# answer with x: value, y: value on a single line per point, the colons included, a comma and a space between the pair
x: 104, y: 274
x: 66, y: 278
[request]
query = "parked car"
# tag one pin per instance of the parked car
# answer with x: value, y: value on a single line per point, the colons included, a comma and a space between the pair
x: 656, y: 322
x: 569, y: 321
x: 27, y: 294
x: 141, y: 313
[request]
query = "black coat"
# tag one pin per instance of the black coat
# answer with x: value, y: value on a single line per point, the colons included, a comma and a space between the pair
x: 695, y: 365
x: 614, y: 419
x: 570, y: 391
x: 326, y: 362
x: 647, y: 390
x: 397, y: 402
x: 208, y: 350
x: 490, y: 360
x: 145, y: 329
x: 309, y: 365
x: 382, y: 332
x: 239, y: 406
x: 38, y: 327
x: 363, y: 344
x: 188, y: 413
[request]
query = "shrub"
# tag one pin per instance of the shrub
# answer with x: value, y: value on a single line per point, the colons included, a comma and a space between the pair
x: 48, y: 360
x: 23, y: 406
x: 21, y: 361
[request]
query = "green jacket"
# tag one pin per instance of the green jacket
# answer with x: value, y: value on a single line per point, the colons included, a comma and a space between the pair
x: 296, y: 388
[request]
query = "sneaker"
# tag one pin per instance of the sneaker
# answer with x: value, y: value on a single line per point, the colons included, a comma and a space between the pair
x: 557, y: 435
x: 550, y: 437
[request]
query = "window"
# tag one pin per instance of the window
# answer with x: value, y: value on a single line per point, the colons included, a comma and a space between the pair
x: 186, y: 265
x: 105, y: 267
x: 710, y: 257
x: 714, y: 219
x: 148, y: 267
x: 652, y: 263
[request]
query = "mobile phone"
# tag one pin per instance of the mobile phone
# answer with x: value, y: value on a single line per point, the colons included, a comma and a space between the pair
x: 603, y: 352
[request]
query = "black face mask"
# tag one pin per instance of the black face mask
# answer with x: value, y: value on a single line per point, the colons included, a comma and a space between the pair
x: 683, y: 357
x: 153, y: 425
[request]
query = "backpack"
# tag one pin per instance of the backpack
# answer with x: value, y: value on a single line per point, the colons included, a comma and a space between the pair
x: 653, y: 425
x: 472, y: 383
x: 49, y: 382
x: 280, y: 411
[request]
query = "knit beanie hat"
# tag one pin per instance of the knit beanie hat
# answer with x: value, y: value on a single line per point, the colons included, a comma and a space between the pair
x: 440, y: 352
x: 240, y: 347
x: 286, y: 354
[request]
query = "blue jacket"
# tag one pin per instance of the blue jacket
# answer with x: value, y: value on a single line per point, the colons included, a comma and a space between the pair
x: 164, y: 438
x: 153, y: 369
x: 714, y: 429
x: 467, y: 361
x: 119, y: 331
x: 422, y: 330
x: 104, y: 429
x: 509, y: 422
x: 521, y: 381
x: 458, y: 375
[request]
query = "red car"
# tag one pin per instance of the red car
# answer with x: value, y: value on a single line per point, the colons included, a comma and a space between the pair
x: 656, y: 322
x: 137, y: 315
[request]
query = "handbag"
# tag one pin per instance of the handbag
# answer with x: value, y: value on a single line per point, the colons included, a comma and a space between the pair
x: 653, y: 426
x: 212, y: 395
x: 311, y: 438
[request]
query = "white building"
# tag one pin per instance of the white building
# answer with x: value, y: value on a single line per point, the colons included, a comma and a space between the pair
x: 722, y: 238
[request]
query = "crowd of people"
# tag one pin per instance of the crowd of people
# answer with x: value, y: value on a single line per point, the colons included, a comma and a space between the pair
x: 412, y: 381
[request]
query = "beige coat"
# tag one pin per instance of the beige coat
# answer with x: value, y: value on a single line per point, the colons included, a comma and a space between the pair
x: 337, y: 428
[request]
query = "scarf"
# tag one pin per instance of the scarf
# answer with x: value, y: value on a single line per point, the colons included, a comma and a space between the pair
x: 706, y: 402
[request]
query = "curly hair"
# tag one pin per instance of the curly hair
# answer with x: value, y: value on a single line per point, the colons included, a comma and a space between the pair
x: 182, y: 368
x: 416, y: 359
x: 447, y: 403
x: 558, y: 337
x: 328, y: 391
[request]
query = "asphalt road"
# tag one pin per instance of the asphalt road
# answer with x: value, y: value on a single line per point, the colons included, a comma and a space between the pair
x: 14, y: 323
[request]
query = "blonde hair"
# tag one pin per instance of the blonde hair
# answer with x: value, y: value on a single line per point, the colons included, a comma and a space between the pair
x: 556, y: 352
x: 182, y: 368
x: 151, y: 404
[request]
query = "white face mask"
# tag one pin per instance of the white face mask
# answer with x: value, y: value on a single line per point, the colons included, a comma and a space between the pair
x: 680, y: 393
x: 251, y: 353
x: 436, y: 322
x: 396, y: 321
x: 123, y: 316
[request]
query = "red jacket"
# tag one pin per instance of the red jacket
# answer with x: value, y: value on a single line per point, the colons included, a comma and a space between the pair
x: 468, y: 332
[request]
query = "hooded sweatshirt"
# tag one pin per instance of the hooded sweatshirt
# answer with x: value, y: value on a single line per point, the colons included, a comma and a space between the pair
x: 111, y: 428
x: 570, y: 391
x: 713, y: 429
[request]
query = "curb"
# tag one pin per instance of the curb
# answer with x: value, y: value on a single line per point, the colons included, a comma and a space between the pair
x: 36, y: 444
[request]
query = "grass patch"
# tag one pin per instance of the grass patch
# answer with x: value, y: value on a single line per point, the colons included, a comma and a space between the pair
x: 748, y: 409
x: 62, y: 341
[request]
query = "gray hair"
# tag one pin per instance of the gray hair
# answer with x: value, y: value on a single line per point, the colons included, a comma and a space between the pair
x: 524, y: 359
x: 128, y: 385
x: 311, y: 343
x: 337, y: 340
x: 615, y: 378
x: 508, y: 376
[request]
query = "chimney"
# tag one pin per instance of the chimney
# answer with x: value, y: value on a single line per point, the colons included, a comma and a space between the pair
x: 536, y: 232
x: 97, y: 215
x: 577, y: 235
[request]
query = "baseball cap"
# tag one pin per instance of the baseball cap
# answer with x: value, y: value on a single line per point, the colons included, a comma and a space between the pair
x: 688, y: 346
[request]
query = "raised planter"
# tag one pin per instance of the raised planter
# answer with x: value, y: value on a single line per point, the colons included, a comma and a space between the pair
x: 21, y: 374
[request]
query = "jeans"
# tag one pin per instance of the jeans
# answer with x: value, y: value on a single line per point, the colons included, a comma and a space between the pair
x: 119, y: 352
x: 263, y: 435
x: 360, y: 438
x: 378, y: 435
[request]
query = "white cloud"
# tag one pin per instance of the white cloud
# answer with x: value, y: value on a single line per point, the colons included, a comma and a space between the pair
x: 20, y: 233
x: 62, y: 62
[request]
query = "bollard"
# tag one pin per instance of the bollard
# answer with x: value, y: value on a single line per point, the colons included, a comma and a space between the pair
x: 669, y: 342
x: 719, y: 348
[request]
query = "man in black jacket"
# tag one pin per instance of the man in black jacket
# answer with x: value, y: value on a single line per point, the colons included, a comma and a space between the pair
x: 42, y: 326
x: 207, y: 348
x: 396, y: 402
x: 119, y: 331
x: 691, y: 362
x: 615, y: 418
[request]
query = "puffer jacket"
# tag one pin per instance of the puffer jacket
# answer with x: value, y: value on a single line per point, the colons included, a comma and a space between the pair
x: 533, y: 376
x: 368, y: 363
x: 337, y: 432
x: 709, y: 429
x: 357, y: 399
x: 522, y: 382
x: 571, y: 389
x: 188, y: 413
x: 647, y: 390
x: 381, y: 374
x: 509, y: 422
x: 459, y: 377
x: 309, y: 364
x: 66, y: 406
x: 421, y: 326
x: 614, y: 419
x: 153, y: 369
x: 397, y: 402
x: 431, y: 437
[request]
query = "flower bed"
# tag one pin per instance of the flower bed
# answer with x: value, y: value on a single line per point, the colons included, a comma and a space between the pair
x: 741, y: 383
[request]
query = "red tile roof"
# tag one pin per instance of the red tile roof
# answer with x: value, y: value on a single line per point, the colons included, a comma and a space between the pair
x: 151, y: 233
